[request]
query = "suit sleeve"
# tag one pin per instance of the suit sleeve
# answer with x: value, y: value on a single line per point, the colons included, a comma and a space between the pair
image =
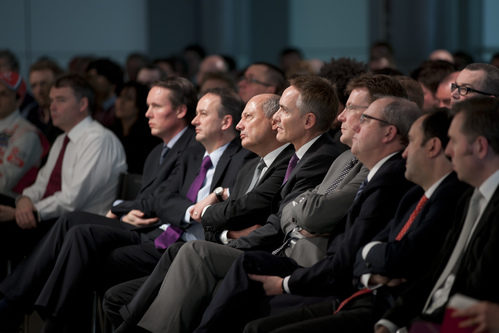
x: 333, y: 275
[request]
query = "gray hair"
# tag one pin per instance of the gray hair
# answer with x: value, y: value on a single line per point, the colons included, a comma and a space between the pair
x: 401, y: 113
x: 270, y: 106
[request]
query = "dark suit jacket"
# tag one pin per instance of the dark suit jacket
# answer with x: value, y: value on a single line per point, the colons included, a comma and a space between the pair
x: 242, y: 209
x: 308, y: 173
x: 169, y: 201
x: 368, y: 215
x: 477, y: 273
x: 154, y: 174
x: 409, y: 257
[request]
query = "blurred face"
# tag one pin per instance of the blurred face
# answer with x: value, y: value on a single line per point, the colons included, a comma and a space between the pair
x: 207, y: 121
x: 65, y: 109
x: 415, y: 153
x: 254, y: 82
x: 369, y: 134
x: 163, y: 117
x: 100, y: 84
x: 255, y: 129
x: 460, y: 151
x: 40, y: 82
x: 8, y: 101
x: 443, y: 93
x: 430, y: 101
x: 471, y: 79
x: 358, y: 101
x: 126, y: 107
x: 289, y: 121
x: 148, y: 76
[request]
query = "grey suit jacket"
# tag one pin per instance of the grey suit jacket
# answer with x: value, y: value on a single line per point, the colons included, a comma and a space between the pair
x: 321, y: 213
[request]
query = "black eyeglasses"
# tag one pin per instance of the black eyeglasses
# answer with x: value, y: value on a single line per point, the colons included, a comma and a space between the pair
x: 463, y: 91
x: 252, y: 80
x: 364, y: 117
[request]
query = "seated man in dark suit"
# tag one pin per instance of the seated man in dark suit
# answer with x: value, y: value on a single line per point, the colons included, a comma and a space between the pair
x: 250, y: 199
x: 467, y: 263
x: 403, y: 249
x: 380, y: 136
x: 69, y: 251
x: 304, y: 124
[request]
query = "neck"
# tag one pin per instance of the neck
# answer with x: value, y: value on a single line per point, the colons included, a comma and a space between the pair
x: 223, y: 140
x: 483, y: 173
x: 381, y: 154
x: 268, y: 148
x: 168, y: 136
x: 434, y: 172
x: 300, y: 142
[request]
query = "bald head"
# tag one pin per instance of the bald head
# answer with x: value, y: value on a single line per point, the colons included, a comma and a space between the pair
x: 211, y: 64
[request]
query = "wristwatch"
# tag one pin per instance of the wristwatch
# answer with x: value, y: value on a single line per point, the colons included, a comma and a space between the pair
x: 219, y: 192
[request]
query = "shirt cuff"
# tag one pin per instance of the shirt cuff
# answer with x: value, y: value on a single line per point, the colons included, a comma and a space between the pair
x: 285, y: 285
x: 367, y: 248
x: 223, y: 237
x: 388, y: 324
x: 187, y: 216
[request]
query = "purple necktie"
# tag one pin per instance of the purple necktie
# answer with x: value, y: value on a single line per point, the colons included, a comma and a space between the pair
x: 196, y: 185
x: 291, y: 165
x: 172, y: 233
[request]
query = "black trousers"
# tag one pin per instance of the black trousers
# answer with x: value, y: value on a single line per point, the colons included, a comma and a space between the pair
x: 82, y: 252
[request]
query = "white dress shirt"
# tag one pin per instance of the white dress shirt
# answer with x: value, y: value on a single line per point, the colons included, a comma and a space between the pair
x: 92, y: 163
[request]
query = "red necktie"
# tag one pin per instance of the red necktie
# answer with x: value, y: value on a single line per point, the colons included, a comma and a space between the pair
x: 401, y: 234
x: 54, y: 183
x: 413, y: 216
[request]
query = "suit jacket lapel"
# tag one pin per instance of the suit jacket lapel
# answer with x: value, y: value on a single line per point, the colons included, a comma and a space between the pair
x: 224, y: 161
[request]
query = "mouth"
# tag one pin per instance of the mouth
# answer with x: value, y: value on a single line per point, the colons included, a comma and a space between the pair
x: 242, y: 136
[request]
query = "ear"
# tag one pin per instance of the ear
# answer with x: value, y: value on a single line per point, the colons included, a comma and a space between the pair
x: 83, y: 104
x: 480, y: 147
x: 226, y: 122
x: 433, y: 147
x: 310, y: 120
x: 181, y: 111
x: 390, y: 133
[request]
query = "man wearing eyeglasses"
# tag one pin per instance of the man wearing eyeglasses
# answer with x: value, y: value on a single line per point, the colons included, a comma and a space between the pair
x: 261, y: 78
x: 475, y: 80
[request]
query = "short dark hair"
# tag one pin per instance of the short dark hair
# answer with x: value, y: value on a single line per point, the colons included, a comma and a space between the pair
x: 490, y: 83
x: 46, y: 64
x: 436, y: 124
x: 481, y: 118
x: 183, y: 92
x: 109, y: 69
x: 230, y: 104
x: 412, y: 88
x: 432, y: 72
x: 401, y: 113
x: 377, y: 85
x: 317, y: 96
x: 81, y: 88
x: 275, y: 76
x: 339, y: 72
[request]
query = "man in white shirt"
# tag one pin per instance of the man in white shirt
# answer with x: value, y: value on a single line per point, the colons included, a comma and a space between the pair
x: 81, y: 173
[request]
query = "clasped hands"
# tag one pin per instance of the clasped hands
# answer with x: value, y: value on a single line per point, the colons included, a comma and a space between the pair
x: 23, y: 214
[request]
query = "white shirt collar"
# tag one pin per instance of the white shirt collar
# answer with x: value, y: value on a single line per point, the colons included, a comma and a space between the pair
x: 174, y: 140
x: 79, y: 129
x: 489, y: 186
x: 216, y: 154
x: 303, y: 149
x: 270, y: 157
x: 433, y: 187
x: 378, y: 165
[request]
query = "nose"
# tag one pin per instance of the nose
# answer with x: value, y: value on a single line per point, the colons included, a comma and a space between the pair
x: 341, y: 116
x: 195, y: 121
x: 149, y: 113
x: 240, y: 125
x: 276, y: 118
x: 404, y: 153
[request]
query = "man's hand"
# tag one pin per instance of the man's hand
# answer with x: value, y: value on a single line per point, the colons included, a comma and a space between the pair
x: 7, y: 213
x: 484, y: 316
x: 25, y: 218
x: 110, y: 215
x: 136, y: 217
x: 198, y: 207
x: 242, y: 233
x: 271, y: 284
